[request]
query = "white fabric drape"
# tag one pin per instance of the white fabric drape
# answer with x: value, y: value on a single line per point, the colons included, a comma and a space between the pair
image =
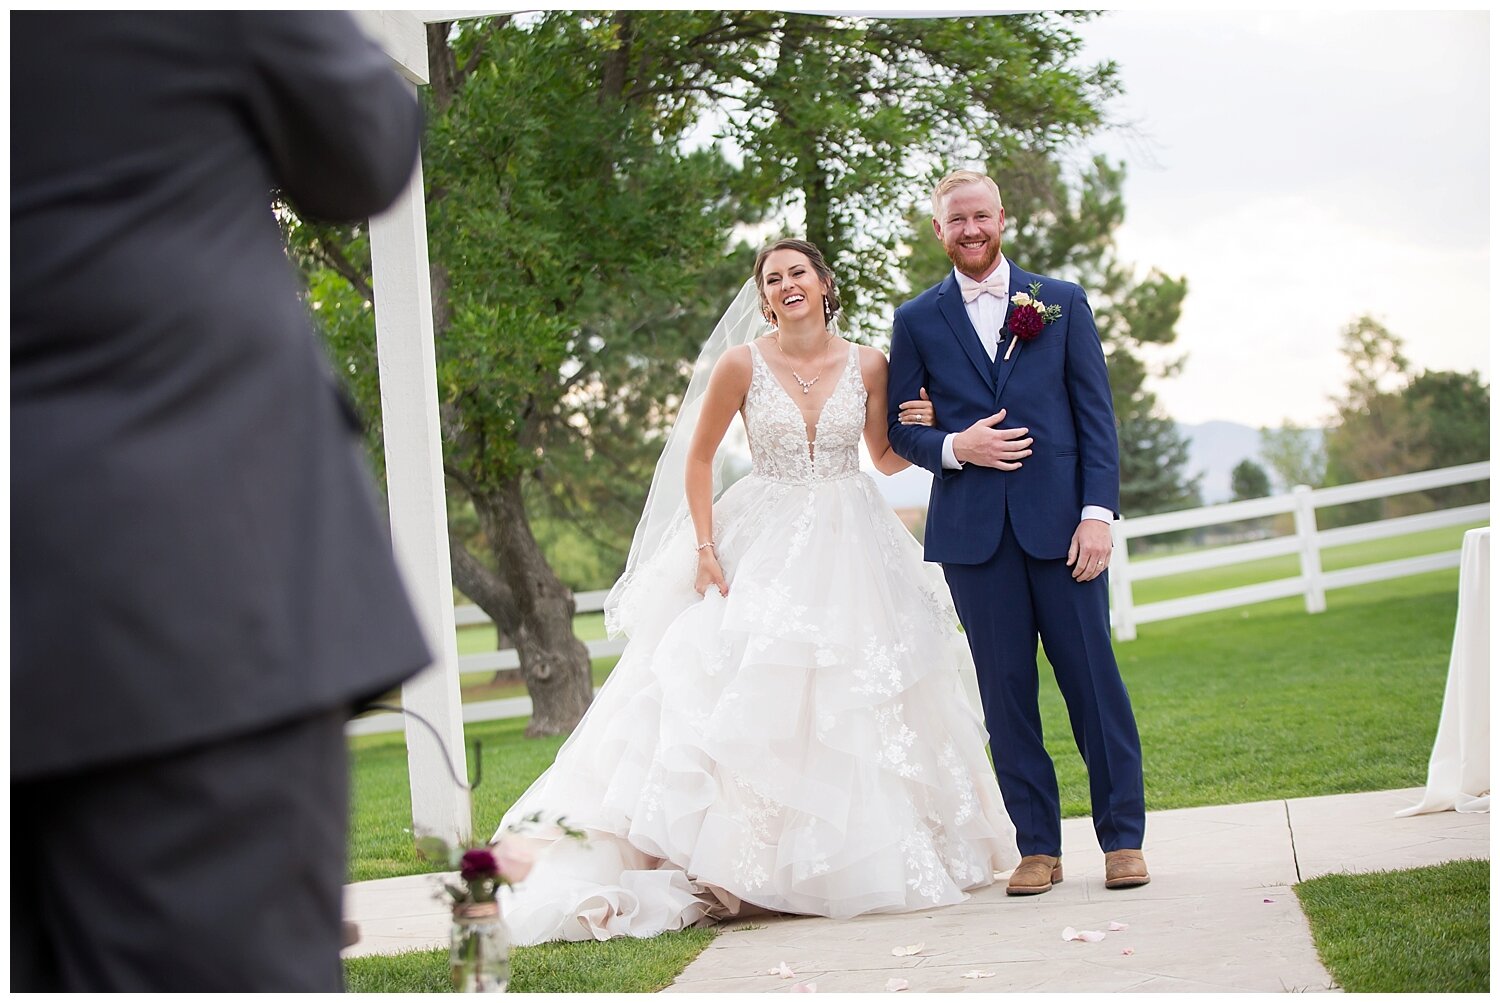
x: 1458, y: 775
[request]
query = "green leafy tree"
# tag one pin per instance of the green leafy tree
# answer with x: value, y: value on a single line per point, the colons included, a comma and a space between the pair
x: 1393, y: 421
x: 1453, y: 416
x: 847, y: 116
x: 1295, y: 455
x: 1371, y: 437
x: 1249, y: 480
x: 1450, y: 413
x: 572, y: 240
x: 1056, y: 228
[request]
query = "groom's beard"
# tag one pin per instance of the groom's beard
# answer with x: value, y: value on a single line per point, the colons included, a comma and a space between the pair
x: 968, y: 264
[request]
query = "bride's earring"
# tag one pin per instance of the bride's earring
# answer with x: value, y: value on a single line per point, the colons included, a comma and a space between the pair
x: 827, y: 310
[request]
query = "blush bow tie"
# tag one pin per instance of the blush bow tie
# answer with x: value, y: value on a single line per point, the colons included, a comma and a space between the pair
x: 973, y: 290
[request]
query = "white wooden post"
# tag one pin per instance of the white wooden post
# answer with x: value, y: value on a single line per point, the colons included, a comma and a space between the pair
x: 1119, y: 584
x: 419, y: 514
x: 414, y: 467
x: 1305, y: 516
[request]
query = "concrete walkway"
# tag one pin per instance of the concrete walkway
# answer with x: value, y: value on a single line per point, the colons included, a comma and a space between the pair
x: 1219, y: 914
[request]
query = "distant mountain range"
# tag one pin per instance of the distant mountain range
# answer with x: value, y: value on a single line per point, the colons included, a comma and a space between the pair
x: 1215, y: 448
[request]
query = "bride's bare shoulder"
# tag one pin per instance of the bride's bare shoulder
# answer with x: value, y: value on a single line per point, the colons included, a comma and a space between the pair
x: 735, y: 360
x: 872, y: 362
x: 733, y: 370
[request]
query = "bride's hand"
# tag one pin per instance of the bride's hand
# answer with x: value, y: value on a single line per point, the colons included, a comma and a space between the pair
x: 918, y: 412
x: 710, y: 573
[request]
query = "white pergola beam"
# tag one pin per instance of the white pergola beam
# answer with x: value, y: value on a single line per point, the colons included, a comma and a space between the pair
x: 403, y: 35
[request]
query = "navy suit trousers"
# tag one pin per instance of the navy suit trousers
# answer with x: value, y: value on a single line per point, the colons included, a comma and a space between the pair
x: 1005, y: 604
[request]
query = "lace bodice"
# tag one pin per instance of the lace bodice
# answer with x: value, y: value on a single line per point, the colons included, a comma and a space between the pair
x: 779, y: 446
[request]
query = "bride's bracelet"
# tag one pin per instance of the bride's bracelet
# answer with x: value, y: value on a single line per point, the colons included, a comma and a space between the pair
x: 708, y: 546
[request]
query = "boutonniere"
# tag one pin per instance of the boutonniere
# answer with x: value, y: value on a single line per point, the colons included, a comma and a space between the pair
x: 1029, y: 316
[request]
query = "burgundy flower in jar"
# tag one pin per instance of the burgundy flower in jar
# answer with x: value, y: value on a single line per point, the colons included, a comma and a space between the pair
x: 478, y: 864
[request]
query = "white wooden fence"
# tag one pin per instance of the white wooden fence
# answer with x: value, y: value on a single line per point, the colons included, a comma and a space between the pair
x: 1307, y: 542
x: 494, y: 661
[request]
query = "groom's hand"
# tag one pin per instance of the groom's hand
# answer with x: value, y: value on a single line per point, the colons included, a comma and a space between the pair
x: 1088, y: 555
x: 988, y: 446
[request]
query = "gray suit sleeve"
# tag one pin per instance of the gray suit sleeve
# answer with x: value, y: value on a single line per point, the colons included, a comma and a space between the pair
x: 340, y: 126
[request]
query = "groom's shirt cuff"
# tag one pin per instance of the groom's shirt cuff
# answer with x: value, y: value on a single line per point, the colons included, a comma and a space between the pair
x: 950, y: 462
x: 1099, y: 512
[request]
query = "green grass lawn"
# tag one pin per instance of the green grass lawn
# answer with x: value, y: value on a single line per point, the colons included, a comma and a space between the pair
x: 1420, y: 931
x: 621, y: 965
x: 380, y: 840
x: 1267, y: 701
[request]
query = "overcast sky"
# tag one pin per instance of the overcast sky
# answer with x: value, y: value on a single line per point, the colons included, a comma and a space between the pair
x: 1301, y: 169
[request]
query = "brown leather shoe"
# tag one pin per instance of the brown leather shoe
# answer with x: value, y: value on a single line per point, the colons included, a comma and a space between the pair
x: 1125, y: 869
x: 1036, y: 873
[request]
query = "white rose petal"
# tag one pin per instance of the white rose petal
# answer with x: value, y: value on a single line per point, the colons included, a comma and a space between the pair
x: 908, y: 950
x: 1088, y: 936
x: 1116, y: 926
x: 977, y: 975
x: 896, y: 985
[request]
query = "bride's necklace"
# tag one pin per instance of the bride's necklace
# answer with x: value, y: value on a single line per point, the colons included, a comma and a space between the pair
x: 806, y: 385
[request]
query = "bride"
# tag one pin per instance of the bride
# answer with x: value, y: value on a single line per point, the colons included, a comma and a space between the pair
x: 792, y: 726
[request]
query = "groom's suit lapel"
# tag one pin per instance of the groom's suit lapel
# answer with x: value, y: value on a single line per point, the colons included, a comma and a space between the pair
x: 951, y: 306
x: 1020, y: 282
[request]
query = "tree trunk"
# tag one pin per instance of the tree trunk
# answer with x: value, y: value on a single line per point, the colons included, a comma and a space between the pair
x: 555, y: 665
x: 819, y: 205
x: 807, y: 168
x: 490, y: 593
x: 442, y: 69
x: 617, y: 61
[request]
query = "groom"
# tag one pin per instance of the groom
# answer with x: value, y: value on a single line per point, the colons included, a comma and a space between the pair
x: 1019, y: 518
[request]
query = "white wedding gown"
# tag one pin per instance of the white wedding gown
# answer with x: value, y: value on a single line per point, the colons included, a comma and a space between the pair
x: 804, y: 745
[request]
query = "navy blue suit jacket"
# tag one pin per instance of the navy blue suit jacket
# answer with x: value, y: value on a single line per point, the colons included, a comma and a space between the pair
x: 1055, y: 385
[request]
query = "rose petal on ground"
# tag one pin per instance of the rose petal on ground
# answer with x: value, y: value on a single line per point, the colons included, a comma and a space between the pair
x: 896, y: 985
x: 908, y: 950
x: 1128, y: 950
x: 1089, y: 936
x: 976, y: 974
x: 1269, y: 901
x: 782, y: 970
x: 1116, y: 927
x: 805, y: 987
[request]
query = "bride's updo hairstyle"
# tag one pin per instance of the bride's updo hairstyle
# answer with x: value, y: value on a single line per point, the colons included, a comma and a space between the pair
x: 819, y: 266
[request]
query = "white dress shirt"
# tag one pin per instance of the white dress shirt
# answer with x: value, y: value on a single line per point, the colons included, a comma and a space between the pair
x: 987, y: 314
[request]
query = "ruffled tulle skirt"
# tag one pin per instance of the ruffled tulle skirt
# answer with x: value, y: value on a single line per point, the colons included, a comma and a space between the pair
x: 807, y: 744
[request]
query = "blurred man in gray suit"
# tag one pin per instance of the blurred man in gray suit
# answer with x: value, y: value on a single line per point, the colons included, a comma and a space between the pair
x: 202, y: 582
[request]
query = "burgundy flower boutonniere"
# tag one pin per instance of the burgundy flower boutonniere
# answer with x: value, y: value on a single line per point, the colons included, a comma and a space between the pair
x: 1029, y: 317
